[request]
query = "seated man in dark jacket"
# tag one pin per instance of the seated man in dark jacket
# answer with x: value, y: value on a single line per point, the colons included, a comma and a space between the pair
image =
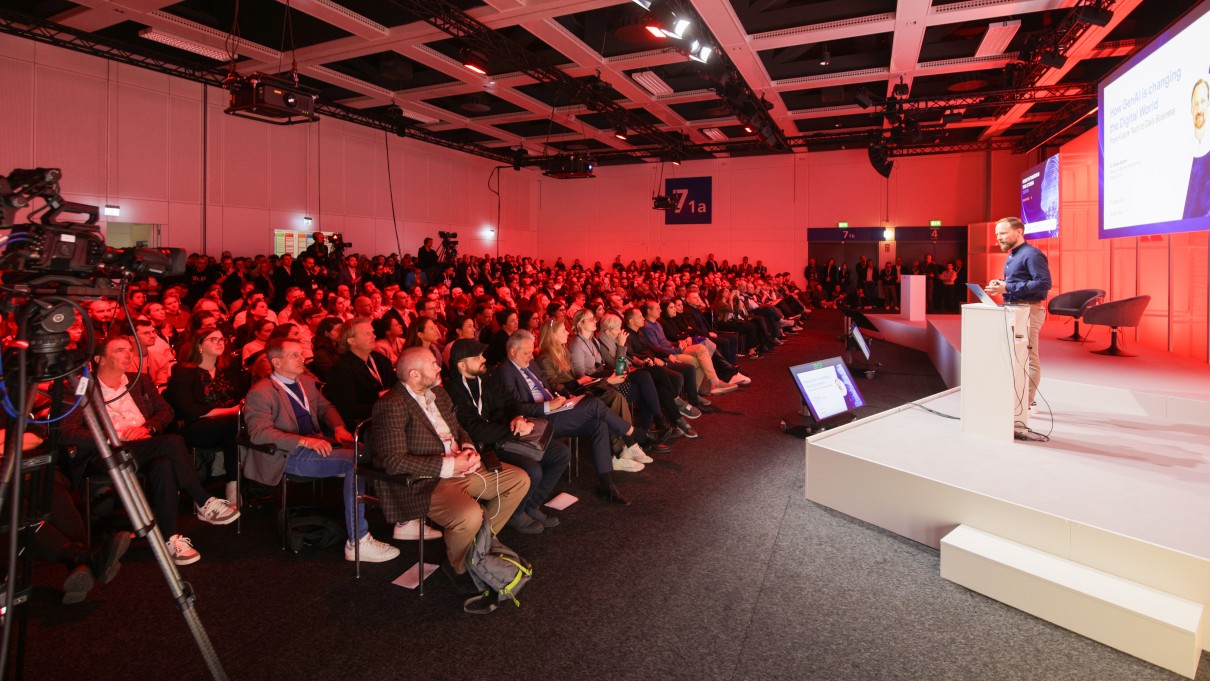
x: 140, y: 416
x: 492, y: 418
x: 516, y: 378
x: 360, y: 375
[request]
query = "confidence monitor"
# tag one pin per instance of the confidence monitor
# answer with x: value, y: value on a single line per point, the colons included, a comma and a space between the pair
x: 827, y: 388
x: 859, y: 339
x: 1154, y: 131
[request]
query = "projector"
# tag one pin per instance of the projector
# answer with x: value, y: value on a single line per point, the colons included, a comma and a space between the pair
x: 271, y: 100
x: 573, y: 167
x: 663, y: 203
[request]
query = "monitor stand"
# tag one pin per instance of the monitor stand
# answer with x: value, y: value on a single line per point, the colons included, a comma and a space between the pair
x: 810, y: 426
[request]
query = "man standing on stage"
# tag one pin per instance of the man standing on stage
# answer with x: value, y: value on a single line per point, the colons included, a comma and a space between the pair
x: 1026, y: 282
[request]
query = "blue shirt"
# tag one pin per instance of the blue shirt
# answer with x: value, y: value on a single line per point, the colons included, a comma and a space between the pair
x: 1026, y: 275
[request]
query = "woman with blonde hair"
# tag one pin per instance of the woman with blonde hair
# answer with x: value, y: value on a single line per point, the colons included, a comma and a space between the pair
x: 555, y: 362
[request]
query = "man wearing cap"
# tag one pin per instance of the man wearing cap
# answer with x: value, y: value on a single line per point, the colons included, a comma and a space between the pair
x: 492, y: 418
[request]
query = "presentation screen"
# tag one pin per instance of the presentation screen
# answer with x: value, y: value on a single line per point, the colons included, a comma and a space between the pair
x: 1154, y: 137
x: 1040, y: 199
x: 827, y: 387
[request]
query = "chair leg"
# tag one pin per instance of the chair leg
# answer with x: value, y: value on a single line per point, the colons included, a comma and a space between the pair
x: 420, y: 565
x: 87, y: 511
x: 1113, y: 350
x: 285, y: 514
x: 1075, y: 333
x: 358, y: 500
x: 239, y: 492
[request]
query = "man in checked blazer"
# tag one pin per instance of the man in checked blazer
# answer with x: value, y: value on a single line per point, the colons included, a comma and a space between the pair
x: 288, y: 411
x: 415, y: 432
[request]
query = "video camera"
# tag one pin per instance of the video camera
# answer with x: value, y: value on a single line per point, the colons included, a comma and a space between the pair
x: 339, y: 244
x: 54, y: 256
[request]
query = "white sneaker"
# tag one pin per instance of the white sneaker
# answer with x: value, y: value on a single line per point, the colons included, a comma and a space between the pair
x: 636, y: 453
x: 628, y: 465
x: 181, y: 550
x: 410, y: 531
x: 740, y: 379
x: 372, y: 550
x: 217, y: 512
x: 721, y: 388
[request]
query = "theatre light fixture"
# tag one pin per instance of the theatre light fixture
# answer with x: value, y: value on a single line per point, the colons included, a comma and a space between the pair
x: 474, y: 61
x: 826, y: 57
x: 652, y: 83
x: 183, y: 44
x: 700, y: 52
x: 620, y: 133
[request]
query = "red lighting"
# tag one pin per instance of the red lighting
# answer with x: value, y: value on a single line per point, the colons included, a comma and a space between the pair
x: 655, y: 31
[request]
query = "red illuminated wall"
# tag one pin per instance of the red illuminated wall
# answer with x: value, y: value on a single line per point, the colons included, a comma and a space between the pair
x: 152, y: 145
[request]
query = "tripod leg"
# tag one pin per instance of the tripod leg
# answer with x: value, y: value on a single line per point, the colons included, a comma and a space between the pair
x: 121, y: 472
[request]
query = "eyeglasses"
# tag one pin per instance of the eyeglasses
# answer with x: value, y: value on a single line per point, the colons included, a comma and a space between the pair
x: 217, y: 339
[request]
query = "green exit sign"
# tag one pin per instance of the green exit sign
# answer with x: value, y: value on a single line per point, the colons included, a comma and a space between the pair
x: 842, y: 225
x: 934, y: 223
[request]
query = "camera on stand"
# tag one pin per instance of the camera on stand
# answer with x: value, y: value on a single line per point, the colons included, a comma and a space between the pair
x: 448, y: 252
x: 48, y: 265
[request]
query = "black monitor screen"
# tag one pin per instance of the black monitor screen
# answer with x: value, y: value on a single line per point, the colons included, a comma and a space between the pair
x: 859, y: 338
x: 827, y: 387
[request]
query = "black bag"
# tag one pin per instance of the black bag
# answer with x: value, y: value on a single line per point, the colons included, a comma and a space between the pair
x: 313, y: 530
x: 533, y: 445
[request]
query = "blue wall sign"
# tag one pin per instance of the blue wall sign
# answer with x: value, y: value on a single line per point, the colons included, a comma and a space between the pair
x: 694, y: 200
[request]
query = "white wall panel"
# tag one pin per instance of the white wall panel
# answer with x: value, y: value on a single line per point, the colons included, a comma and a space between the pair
x: 245, y: 163
x: 70, y: 114
x: 184, y: 150
x: 140, y: 143
x: 16, y: 108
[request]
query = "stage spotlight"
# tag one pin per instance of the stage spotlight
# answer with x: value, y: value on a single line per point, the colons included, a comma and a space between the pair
x: 620, y: 133
x: 879, y: 158
x: 662, y: 22
x: 700, y: 53
x: 645, y: 4
x: 1053, y: 59
x: 951, y: 117
x: 864, y: 98
x: 1097, y: 16
x: 826, y: 57
x: 901, y: 88
x: 519, y: 155
x: 474, y: 61
x: 748, y: 129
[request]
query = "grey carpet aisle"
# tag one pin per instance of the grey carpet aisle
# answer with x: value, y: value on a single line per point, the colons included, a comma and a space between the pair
x: 718, y: 570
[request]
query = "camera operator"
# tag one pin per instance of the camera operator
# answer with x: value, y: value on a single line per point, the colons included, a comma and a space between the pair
x: 318, y: 250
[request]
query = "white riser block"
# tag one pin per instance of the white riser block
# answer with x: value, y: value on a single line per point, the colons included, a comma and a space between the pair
x: 1152, y: 625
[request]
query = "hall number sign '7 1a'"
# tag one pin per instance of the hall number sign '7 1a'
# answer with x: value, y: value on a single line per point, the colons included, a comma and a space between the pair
x: 694, y: 200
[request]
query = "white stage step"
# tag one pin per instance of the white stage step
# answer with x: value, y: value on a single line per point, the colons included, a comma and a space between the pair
x: 1152, y: 625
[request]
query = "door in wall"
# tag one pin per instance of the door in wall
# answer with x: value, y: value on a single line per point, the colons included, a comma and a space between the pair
x: 132, y: 234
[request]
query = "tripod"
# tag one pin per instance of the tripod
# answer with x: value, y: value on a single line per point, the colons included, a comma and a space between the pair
x: 120, y: 465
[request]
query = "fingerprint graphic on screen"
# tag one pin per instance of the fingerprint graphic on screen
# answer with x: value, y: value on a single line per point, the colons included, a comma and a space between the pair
x: 1050, y: 189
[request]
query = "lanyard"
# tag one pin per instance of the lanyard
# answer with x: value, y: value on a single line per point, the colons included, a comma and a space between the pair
x: 374, y: 370
x: 479, y: 402
x: 304, y: 402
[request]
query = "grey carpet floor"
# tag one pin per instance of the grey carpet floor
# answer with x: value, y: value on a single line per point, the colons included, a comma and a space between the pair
x: 720, y: 569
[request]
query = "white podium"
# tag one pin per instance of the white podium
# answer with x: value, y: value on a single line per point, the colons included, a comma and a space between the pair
x: 912, y: 301
x: 995, y: 346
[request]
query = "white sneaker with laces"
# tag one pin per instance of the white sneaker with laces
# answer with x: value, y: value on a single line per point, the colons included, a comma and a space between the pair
x: 636, y: 453
x: 180, y: 548
x: 740, y: 379
x: 410, y: 531
x: 217, y: 512
x: 628, y: 465
x: 372, y: 550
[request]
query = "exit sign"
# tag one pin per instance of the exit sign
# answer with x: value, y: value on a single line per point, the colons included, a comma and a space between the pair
x: 934, y: 223
x: 842, y: 225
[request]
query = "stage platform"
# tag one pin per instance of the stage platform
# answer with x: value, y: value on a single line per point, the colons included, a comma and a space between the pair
x: 1123, y: 485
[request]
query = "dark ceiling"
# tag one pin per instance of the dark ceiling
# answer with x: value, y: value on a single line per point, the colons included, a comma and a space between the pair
x: 369, y: 54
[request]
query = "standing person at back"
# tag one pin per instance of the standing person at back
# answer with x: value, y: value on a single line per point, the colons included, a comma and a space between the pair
x: 1026, y: 282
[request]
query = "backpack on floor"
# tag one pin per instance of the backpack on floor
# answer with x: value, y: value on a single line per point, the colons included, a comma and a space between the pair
x: 495, y: 568
x: 313, y: 530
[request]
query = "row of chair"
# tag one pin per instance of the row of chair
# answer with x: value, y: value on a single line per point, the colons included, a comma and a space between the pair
x: 1088, y: 305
